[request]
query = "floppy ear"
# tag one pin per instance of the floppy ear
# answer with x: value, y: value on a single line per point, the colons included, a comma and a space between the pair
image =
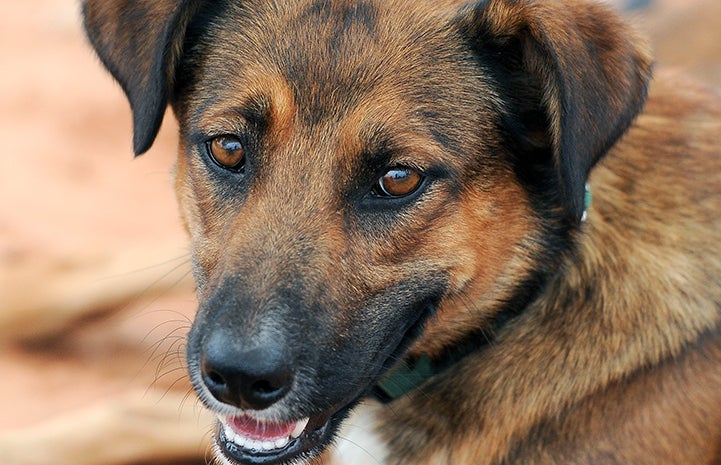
x: 140, y: 42
x: 577, y: 73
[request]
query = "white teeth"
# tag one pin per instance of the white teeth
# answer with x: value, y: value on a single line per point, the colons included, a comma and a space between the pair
x: 248, y: 443
x: 268, y: 445
x: 241, y: 441
x: 299, y: 428
x: 229, y: 433
x: 255, y: 445
x: 281, y: 443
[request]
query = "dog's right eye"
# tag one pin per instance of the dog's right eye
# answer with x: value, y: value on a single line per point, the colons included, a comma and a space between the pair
x: 227, y: 152
x: 398, y: 182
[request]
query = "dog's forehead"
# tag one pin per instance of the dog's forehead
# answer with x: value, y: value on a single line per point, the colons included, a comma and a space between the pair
x: 345, y: 77
x: 330, y: 54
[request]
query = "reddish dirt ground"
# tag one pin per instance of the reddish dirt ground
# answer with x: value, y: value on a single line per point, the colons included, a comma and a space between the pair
x: 73, y: 199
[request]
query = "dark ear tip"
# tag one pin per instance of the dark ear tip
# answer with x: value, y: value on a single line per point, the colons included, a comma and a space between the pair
x: 141, y: 143
x: 144, y: 136
x: 147, y: 119
x: 140, y: 146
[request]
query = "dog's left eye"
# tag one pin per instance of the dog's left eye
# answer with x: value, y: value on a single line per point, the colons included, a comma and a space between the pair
x: 227, y: 152
x: 398, y: 182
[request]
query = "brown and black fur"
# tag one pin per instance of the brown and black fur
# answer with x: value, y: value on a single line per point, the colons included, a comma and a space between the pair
x: 594, y: 342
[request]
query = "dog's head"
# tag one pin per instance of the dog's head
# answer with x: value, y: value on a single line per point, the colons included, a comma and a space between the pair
x: 364, y: 180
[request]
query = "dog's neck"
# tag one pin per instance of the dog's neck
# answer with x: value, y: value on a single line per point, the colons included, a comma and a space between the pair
x: 409, y: 375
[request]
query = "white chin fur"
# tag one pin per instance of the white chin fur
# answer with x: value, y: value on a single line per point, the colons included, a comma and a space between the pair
x: 357, y: 442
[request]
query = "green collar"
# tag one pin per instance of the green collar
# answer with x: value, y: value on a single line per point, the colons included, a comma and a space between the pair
x: 404, y: 378
x: 410, y: 374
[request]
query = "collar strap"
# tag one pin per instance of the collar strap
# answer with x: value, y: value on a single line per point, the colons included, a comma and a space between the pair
x: 404, y: 378
x: 408, y: 375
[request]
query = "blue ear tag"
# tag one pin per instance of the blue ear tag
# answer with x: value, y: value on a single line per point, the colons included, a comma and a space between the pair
x: 587, y: 199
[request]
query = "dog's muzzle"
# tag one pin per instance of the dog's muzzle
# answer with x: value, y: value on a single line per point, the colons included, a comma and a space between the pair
x: 253, y: 380
x: 282, y: 379
x: 248, y: 383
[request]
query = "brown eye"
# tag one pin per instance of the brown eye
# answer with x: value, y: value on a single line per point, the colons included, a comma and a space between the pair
x: 398, y: 182
x: 227, y: 152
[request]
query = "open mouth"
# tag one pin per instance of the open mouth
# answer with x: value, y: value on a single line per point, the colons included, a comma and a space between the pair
x: 246, y: 440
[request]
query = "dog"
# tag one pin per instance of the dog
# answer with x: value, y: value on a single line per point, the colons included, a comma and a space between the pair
x: 487, y: 216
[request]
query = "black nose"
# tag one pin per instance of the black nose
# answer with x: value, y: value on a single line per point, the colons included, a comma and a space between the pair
x: 250, y: 378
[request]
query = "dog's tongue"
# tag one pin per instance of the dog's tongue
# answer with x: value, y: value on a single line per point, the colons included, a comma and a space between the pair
x: 260, y: 431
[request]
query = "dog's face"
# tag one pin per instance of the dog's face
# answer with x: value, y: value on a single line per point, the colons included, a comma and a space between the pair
x: 334, y: 181
x: 362, y: 181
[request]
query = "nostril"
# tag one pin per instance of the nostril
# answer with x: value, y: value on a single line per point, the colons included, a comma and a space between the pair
x: 215, y: 378
x: 264, y: 387
x: 269, y: 389
x: 217, y: 383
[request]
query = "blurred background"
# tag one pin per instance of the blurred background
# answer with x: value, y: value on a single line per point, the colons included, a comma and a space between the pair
x: 95, y: 291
